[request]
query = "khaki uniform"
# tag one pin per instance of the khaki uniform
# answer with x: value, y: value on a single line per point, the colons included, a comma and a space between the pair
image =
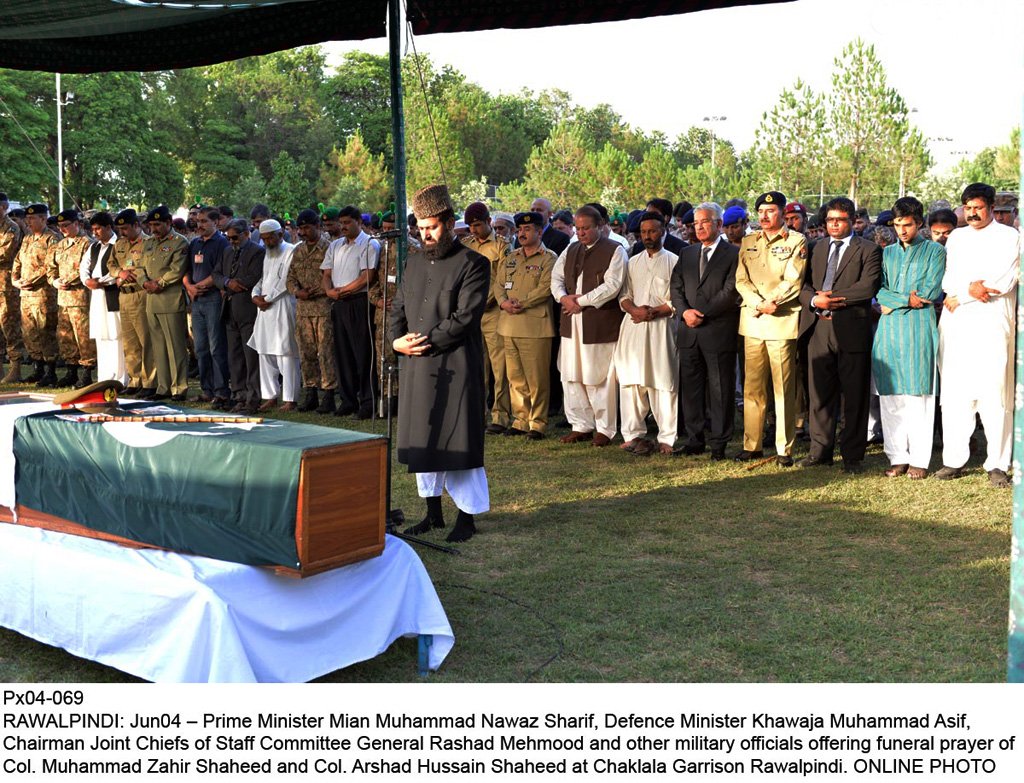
x: 38, y: 299
x: 494, y: 249
x: 386, y: 283
x: 770, y: 270
x: 73, y: 341
x: 10, y: 297
x: 314, y: 330
x: 138, y: 351
x: 526, y: 336
x: 164, y: 260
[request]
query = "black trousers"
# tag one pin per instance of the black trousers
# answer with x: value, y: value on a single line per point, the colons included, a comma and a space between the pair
x: 831, y: 373
x: 243, y: 361
x: 354, y: 351
x: 714, y: 372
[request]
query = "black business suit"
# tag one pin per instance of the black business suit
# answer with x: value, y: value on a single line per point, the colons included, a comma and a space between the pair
x: 244, y: 264
x: 839, y: 347
x: 707, y: 353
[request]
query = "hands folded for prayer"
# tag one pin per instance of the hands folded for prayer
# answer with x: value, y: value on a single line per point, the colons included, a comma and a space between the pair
x: 981, y: 292
x: 693, y: 318
x: 824, y: 300
x: 411, y: 344
x: 512, y: 306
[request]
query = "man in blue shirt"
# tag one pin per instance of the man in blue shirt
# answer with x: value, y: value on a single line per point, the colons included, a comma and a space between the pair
x: 205, y: 252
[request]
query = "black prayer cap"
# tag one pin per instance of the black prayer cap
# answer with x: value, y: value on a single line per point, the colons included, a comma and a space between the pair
x: 771, y: 197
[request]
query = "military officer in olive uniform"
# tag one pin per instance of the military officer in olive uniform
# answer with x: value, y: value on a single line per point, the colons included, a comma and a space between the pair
x: 164, y: 258
x: 314, y: 330
x: 526, y: 326
x: 769, y: 275
x: 382, y: 293
x: 77, y: 349
x: 125, y: 264
x: 10, y: 305
x: 38, y: 298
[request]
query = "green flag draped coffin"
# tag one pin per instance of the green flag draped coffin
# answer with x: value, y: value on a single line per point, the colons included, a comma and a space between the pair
x: 296, y: 496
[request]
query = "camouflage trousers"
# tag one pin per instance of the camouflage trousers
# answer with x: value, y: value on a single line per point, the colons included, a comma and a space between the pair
x: 76, y: 347
x: 385, y: 354
x: 315, y: 335
x: 10, y: 316
x: 39, y: 324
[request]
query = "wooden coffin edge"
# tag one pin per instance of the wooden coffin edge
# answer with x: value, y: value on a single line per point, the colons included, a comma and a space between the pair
x: 32, y: 518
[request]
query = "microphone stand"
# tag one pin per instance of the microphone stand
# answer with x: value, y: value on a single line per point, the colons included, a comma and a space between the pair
x: 394, y: 518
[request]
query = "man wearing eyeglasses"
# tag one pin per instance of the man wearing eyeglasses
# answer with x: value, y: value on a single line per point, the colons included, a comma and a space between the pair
x: 843, y: 277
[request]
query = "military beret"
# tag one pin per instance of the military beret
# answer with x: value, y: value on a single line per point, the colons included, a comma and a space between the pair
x: 17, y: 213
x: 885, y: 218
x: 476, y: 211
x: 795, y: 206
x: 68, y: 216
x: 3, y: 198
x: 529, y: 219
x: 37, y: 209
x: 332, y: 213
x: 307, y: 217
x: 52, y: 220
x: 733, y: 215
x: 197, y: 205
x: 771, y: 197
x: 161, y: 213
x: 687, y: 218
x: 126, y: 217
x: 388, y: 217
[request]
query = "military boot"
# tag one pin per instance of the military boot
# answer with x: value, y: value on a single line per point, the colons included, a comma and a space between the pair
x: 14, y: 373
x: 70, y: 377
x: 326, y: 401
x: 308, y: 402
x: 37, y: 373
x: 49, y: 375
x: 85, y: 379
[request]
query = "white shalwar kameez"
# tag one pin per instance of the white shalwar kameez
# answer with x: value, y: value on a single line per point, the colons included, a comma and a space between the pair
x: 976, y: 343
x: 104, y: 326
x: 588, y: 373
x: 273, y: 334
x: 645, y: 355
x: 467, y: 488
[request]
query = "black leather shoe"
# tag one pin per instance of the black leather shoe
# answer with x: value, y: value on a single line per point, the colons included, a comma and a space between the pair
x: 535, y: 435
x: 814, y: 462
x: 853, y: 466
x: 747, y: 456
x: 494, y: 429
x: 182, y: 397
x: 344, y: 410
x: 512, y: 432
x: 691, y: 449
x: 145, y: 394
x: 784, y: 461
x: 365, y: 412
x: 717, y: 454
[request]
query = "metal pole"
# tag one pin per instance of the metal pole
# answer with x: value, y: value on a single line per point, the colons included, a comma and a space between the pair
x: 60, y: 151
x: 395, y: 27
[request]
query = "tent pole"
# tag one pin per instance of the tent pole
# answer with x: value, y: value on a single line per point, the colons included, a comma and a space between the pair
x: 395, y: 28
x: 60, y: 150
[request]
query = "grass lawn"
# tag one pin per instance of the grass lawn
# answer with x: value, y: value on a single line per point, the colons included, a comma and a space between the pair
x: 597, y: 566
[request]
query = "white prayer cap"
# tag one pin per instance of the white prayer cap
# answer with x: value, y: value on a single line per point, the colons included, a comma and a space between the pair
x: 269, y: 226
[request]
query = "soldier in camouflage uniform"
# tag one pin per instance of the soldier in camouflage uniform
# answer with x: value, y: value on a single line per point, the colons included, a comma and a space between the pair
x: 313, y: 327
x: 124, y: 263
x: 77, y: 349
x: 383, y: 290
x: 38, y: 298
x: 10, y: 304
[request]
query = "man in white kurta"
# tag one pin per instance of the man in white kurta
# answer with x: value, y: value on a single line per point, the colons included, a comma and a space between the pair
x: 645, y: 355
x: 976, y: 337
x: 273, y: 334
x: 104, y: 324
x: 588, y: 374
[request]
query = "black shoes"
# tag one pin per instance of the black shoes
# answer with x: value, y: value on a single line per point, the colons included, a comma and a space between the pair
x: 814, y: 462
x: 748, y: 456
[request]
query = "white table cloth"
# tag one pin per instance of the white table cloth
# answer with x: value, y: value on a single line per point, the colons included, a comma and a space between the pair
x: 168, y: 617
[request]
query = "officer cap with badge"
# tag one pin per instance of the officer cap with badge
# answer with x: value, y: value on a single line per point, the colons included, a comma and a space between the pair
x: 37, y: 209
x: 68, y: 216
x: 126, y: 217
x: 529, y: 219
x: 161, y: 214
x: 771, y: 197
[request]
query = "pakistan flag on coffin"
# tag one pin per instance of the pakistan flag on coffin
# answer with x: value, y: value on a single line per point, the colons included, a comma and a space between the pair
x: 227, y: 491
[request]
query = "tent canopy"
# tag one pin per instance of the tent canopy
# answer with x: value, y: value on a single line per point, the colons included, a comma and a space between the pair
x: 86, y: 36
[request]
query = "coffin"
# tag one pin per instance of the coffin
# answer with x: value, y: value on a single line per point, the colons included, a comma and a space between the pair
x: 295, y: 497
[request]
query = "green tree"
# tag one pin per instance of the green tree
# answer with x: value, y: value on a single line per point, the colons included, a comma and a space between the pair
x: 288, y: 189
x: 657, y: 176
x: 357, y: 98
x: 27, y: 163
x: 561, y: 169
x: 790, y: 148
x: 354, y: 175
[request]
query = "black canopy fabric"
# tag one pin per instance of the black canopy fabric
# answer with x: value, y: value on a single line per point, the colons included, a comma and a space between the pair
x: 87, y: 36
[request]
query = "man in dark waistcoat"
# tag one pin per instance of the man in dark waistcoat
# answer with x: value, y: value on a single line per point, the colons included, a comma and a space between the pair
x: 435, y: 330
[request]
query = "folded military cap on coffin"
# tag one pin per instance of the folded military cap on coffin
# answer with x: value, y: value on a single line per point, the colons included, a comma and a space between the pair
x: 101, y: 394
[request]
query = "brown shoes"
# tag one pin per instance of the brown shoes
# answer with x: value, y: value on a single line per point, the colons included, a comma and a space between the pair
x: 601, y: 440
x: 288, y: 406
x: 577, y: 437
x: 896, y: 470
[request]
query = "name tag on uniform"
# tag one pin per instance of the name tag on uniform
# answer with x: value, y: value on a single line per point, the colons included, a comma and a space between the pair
x: 199, y: 258
x: 508, y: 286
x: 392, y: 278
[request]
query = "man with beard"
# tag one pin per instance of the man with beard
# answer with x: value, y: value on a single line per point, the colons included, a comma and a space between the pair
x: 976, y: 336
x: 435, y: 327
x: 645, y: 354
x: 273, y: 334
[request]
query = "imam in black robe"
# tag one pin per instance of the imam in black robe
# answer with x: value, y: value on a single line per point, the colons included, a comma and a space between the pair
x: 441, y: 393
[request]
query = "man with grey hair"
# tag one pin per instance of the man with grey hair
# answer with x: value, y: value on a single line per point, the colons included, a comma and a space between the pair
x: 705, y: 299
